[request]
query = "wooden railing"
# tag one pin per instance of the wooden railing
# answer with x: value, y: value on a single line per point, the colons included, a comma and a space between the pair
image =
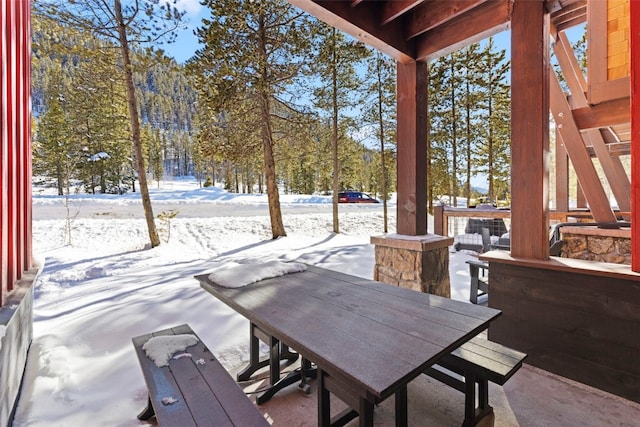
x: 448, y: 221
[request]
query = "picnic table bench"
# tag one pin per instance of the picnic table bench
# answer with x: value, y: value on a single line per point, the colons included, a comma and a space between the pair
x: 478, y: 361
x: 193, y: 391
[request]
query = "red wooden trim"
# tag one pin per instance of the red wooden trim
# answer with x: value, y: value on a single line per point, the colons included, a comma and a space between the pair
x: 27, y: 232
x: 18, y: 172
x: 10, y: 187
x: 635, y: 134
x: 530, y: 28
x: 4, y: 132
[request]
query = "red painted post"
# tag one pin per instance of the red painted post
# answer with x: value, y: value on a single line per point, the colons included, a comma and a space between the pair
x: 634, y: 6
x: 27, y: 159
x: 4, y: 133
x: 15, y: 148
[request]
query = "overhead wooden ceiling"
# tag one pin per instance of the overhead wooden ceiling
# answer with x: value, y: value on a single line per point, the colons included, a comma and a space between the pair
x: 424, y: 29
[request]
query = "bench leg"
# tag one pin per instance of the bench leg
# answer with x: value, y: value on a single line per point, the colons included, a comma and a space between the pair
x: 472, y: 413
x: 147, y: 412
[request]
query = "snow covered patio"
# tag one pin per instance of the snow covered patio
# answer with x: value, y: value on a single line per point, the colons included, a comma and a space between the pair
x: 92, y: 297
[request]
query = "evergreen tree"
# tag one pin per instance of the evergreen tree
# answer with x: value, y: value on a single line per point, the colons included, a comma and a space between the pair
x: 252, y: 51
x: 495, y: 151
x: 132, y: 24
x: 379, y: 112
x: 336, y: 60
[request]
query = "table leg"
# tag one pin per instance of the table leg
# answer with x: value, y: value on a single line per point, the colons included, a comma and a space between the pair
x: 365, y: 413
x: 402, y: 417
x: 255, y: 336
x: 324, y: 404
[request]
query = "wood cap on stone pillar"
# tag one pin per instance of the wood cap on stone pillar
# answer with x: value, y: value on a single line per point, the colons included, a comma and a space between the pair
x: 422, y: 243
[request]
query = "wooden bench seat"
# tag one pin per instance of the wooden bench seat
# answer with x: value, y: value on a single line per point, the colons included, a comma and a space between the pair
x: 202, y: 391
x: 478, y: 361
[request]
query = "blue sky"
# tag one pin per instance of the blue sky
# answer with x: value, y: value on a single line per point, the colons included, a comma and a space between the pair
x: 187, y: 43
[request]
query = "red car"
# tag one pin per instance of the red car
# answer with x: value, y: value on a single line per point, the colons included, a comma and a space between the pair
x: 355, y: 197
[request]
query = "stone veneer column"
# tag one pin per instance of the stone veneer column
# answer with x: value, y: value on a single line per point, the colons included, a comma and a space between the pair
x: 420, y: 263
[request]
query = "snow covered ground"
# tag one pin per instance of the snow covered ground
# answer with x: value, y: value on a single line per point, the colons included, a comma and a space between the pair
x: 93, y: 296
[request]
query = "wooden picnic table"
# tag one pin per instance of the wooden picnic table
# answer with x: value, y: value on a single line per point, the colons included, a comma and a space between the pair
x: 368, y: 339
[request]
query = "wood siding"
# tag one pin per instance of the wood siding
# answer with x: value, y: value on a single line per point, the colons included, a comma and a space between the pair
x: 618, y: 34
x: 635, y: 135
x: 580, y: 326
x: 15, y: 151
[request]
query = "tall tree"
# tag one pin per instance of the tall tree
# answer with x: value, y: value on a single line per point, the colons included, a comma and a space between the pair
x: 253, y: 50
x: 379, y: 112
x: 336, y: 61
x: 134, y: 23
x: 495, y: 103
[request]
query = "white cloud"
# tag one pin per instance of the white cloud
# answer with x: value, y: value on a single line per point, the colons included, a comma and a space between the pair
x: 192, y: 8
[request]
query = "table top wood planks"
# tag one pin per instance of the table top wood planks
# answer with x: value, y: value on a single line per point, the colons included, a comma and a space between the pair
x: 371, y: 338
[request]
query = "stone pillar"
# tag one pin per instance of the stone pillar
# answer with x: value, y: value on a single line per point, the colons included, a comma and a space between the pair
x: 420, y: 263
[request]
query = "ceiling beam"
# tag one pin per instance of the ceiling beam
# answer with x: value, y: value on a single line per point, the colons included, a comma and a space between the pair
x: 434, y: 13
x: 477, y: 24
x: 393, y: 9
x: 362, y: 22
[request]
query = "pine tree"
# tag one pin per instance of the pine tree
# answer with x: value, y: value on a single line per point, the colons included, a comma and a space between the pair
x: 252, y: 51
x: 335, y: 62
x: 133, y: 24
x: 495, y: 152
x: 379, y: 112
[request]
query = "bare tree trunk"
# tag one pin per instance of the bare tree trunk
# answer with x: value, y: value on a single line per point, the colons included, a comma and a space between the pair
x: 135, y: 127
x: 336, y: 165
x: 277, y: 226
x: 273, y: 196
x: 382, y: 154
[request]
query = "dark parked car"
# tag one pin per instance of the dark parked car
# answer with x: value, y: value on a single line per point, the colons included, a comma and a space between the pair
x: 355, y: 197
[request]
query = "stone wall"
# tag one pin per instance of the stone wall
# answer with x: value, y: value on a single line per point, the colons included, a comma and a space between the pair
x: 597, y: 245
x: 420, y: 263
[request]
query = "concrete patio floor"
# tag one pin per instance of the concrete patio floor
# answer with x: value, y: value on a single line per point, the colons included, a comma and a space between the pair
x: 532, y: 397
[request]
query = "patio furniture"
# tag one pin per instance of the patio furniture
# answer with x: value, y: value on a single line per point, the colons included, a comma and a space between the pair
x: 368, y: 339
x: 195, y: 390
x: 479, y: 281
x: 478, y: 361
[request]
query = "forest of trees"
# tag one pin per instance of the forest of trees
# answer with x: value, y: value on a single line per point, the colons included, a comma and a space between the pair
x: 274, y: 99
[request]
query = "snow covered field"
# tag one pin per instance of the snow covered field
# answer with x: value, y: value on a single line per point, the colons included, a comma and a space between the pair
x: 93, y: 296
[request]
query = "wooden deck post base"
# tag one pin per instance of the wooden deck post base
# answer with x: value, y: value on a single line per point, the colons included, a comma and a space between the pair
x: 420, y: 263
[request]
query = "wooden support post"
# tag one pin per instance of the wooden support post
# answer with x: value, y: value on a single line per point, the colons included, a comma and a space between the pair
x: 412, y: 148
x: 530, y: 29
x: 635, y: 135
x: 562, y: 176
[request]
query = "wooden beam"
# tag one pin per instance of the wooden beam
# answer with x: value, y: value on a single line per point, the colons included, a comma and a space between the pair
x: 570, y: 68
x: 530, y: 28
x: 393, y: 9
x: 601, y: 115
x: 412, y: 148
x: 562, y: 175
x: 477, y: 24
x: 611, y: 165
x: 435, y: 13
x: 635, y: 135
x: 362, y: 23
x: 577, y: 151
